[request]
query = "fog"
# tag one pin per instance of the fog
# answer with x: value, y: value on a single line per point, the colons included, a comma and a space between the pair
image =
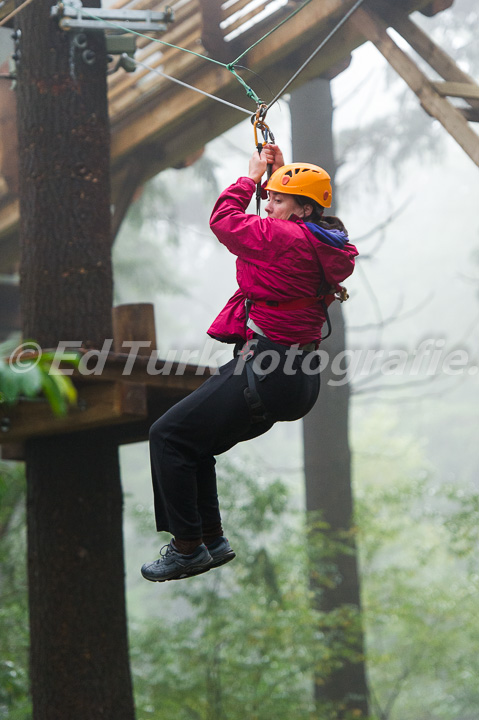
x: 415, y: 281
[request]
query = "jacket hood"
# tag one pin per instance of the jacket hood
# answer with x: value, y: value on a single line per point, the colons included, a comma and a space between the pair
x: 334, y: 238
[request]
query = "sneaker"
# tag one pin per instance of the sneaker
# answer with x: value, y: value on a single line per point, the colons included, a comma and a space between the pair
x: 172, y: 565
x: 221, y: 552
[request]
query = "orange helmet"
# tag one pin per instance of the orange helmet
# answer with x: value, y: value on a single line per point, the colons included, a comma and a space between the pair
x: 302, y: 179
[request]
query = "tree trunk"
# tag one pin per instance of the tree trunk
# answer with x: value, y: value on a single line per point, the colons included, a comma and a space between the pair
x: 327, y: 456
x: 79, y: 652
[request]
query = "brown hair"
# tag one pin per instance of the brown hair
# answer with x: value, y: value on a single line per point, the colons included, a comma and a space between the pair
x: 330, y: 222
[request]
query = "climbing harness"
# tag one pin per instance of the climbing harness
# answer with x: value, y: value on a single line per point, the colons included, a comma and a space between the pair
x: 325, y: 297
x: 257, y: 410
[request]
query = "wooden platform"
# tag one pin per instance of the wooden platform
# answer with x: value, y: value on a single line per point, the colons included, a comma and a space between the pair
x: 118, y: 393
x: 124, y: 404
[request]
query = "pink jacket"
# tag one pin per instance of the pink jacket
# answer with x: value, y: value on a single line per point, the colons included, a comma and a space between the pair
x: 277, y: 260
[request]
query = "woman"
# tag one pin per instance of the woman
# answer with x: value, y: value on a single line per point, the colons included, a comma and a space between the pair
x: 285, y: 264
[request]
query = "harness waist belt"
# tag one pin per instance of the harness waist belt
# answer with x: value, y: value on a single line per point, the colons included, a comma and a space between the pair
x: 298, y: 304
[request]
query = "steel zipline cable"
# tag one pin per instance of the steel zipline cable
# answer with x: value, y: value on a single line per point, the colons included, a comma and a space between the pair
x: 328, y: 37
x: 190, y: 87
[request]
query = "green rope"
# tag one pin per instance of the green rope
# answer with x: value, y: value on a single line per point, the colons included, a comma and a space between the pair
x: 270, y: 32
x: 249, y: 91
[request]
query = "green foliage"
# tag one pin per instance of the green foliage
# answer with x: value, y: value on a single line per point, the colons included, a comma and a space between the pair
x: 420, y: 582
x: 34, y: 375
x: 14, y: 701
x: 243, y: 640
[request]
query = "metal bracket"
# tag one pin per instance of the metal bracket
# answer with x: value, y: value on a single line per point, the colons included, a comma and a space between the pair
x: 79, y: 18
x: 125, y: 47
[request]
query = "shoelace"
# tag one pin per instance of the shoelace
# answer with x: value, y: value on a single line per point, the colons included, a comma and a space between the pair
x: 164, y: 552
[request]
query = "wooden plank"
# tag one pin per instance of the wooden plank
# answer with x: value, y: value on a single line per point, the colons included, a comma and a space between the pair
x: 245, y: 18
x: 6, y: 7
x: 375, y: 29
x: 99, y: 405
x: 471, y: 114
x: 134, y: 322
x: 13, y: 451
x: 172, y: 378
x: 434, y: 55
x: 467, y: 91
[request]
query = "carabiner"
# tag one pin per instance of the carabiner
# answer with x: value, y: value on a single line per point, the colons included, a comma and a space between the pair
x: 258, y: 120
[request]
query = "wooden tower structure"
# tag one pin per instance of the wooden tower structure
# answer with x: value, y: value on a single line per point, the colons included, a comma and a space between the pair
x: 156, y: 124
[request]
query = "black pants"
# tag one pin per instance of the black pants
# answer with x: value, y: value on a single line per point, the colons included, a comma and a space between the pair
x: 214, y: 418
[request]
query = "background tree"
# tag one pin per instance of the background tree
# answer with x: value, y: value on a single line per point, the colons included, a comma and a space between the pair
x: 327, y: 456
x: 79, y: 650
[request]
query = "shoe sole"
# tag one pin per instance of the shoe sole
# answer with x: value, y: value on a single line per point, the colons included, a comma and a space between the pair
x: 221, y: 561
x: 216, y: 563
x: 181, y: 574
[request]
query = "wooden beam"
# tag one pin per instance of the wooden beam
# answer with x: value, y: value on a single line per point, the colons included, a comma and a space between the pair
x: 134, y: 322
x: 436, y: 6
x: 171, y: 377
x: 467, y: 91
x: 6, y: 8
x: 471, y: 114
x: 98, y: 405
x: 434, y: 55
x: 132, y: 179
x: 374, y: 29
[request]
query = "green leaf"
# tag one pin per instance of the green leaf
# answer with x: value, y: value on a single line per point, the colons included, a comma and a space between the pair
x: 9, y: 383
x: 65, y: 386
x: 31, y: 380
x: 53, y: 393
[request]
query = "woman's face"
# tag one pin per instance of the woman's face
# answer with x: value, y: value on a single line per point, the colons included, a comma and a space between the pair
x: 281, y: 206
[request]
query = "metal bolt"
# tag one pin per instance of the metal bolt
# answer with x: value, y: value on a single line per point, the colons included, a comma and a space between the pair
x: 88, y: 57
x: 5, y: 424
x: 80, y: 40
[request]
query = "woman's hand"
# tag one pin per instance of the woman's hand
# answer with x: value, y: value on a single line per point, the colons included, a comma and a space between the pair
x: 274, y: 156
x: 257, y: 166
x: 270, y: 155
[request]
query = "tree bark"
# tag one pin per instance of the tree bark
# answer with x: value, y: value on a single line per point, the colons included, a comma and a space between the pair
x: 327, y: 456
x: 79, y: 650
